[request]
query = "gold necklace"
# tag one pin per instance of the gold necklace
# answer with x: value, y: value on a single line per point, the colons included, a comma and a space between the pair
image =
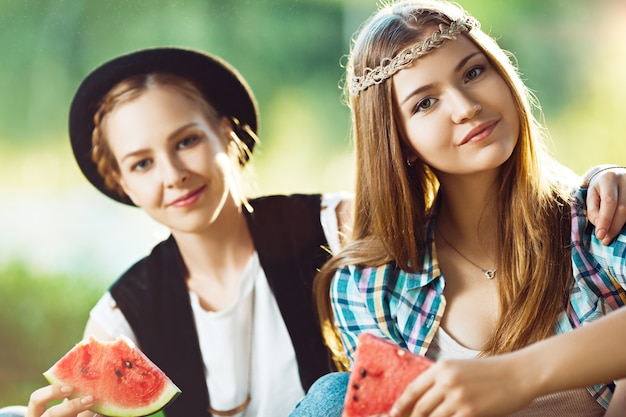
x: 489, y: 273
x: 241, y: 407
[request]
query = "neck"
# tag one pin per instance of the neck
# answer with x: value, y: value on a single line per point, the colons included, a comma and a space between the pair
x: 218, y: 254
x: 467, y: 212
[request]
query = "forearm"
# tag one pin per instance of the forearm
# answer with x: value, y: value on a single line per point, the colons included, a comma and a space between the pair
x: 589, y: 355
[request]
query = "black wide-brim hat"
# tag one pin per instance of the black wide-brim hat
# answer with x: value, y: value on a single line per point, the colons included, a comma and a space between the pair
x: 220, y: 83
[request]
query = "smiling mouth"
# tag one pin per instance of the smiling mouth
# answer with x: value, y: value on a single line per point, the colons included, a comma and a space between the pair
x: 189, y: 198
x: 480, y: 132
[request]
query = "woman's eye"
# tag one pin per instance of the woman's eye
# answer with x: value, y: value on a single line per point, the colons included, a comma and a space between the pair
x: 188, y: 141
x: 424, y: 104
x: 474, y: 73
x: 141, y: 165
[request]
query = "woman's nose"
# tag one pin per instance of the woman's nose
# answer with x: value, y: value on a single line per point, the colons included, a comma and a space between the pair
x: 464, y: 107
x: 173, y: 172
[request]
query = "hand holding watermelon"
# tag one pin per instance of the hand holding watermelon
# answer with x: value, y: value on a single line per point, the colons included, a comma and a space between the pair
x: 39, y: 399
x: 388, y: 380
x: 110, y: 378
x: 494, y: 386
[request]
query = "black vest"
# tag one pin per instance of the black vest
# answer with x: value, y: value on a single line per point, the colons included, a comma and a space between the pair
x: 154, y: 297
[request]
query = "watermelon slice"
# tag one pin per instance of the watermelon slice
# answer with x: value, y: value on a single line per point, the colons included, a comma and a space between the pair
x: 380, y: 373
x: 121, y: 379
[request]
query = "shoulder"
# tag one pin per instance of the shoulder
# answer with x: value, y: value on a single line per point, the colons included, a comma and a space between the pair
x: 593, y: 262
x: 106, y: 320
x: 338, y: 200
x: 286, y: 201
x: 163, y: 258
x: 287, y: 221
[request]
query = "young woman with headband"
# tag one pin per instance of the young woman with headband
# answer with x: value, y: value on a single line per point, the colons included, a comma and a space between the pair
x: 470, y: 244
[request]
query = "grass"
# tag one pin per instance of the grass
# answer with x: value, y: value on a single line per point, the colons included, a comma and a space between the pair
x: 41, y: 318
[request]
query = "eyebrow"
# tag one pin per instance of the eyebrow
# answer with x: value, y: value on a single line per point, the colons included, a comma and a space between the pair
x: 457, y: 68
x: 169, y: 137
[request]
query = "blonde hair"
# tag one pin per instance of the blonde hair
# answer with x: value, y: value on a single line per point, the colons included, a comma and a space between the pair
x: 393, y: 202
x: 130, y: 89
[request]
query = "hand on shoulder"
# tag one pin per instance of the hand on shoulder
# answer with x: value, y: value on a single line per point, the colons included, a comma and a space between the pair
x: 606, y: 200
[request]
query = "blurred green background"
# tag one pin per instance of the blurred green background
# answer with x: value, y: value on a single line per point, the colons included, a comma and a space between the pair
x: 62, y: 243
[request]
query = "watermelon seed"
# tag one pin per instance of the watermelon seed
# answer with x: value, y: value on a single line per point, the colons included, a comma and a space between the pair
x: 363, y: 373
x: 355, y: 398
x: 355, y: 386
x: 119, y: 373
x: 128, y: 364
x: 84, y: 370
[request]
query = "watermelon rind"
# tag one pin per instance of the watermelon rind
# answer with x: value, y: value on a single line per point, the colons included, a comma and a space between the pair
x: 105, y: 408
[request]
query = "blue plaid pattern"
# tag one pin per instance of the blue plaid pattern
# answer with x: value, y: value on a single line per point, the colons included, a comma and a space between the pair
x: 406, y: 308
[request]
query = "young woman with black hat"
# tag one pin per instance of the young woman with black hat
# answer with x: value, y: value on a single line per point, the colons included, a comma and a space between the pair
x: 223, y: 306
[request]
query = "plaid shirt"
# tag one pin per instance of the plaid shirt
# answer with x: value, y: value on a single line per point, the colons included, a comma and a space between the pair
x: 406, y: 308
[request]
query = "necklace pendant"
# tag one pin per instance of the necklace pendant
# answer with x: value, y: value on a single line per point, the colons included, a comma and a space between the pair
x: 490, y: 273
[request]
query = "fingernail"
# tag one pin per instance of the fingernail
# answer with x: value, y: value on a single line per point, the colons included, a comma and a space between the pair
x: 66, y: 389
x: 600, y: 234
x: 88, y: 399
x: 393, y: 412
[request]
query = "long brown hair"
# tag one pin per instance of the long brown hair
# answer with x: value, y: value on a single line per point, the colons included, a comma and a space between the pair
x: 393, y: 202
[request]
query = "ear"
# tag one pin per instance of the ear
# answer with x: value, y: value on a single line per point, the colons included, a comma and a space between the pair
x: 410, y: 157
x: 226, y: 127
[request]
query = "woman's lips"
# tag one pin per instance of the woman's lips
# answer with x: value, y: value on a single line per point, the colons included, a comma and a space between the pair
x: 189, y: 198
x: 480, y: 132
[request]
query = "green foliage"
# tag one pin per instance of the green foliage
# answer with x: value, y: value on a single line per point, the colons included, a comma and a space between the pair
x: 280, y: 46
x: 52, y: 45
x: 41, y: 318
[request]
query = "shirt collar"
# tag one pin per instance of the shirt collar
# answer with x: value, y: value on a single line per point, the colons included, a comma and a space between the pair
x: 429, y: 270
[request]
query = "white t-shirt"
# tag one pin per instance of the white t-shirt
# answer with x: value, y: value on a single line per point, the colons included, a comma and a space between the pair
x: 269, y: 371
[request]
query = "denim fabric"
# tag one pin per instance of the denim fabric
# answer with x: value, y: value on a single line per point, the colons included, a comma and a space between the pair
x: 325, y: 397
x: 13, y: 411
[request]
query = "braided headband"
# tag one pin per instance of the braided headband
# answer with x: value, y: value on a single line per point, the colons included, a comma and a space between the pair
x: 389, y: 66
